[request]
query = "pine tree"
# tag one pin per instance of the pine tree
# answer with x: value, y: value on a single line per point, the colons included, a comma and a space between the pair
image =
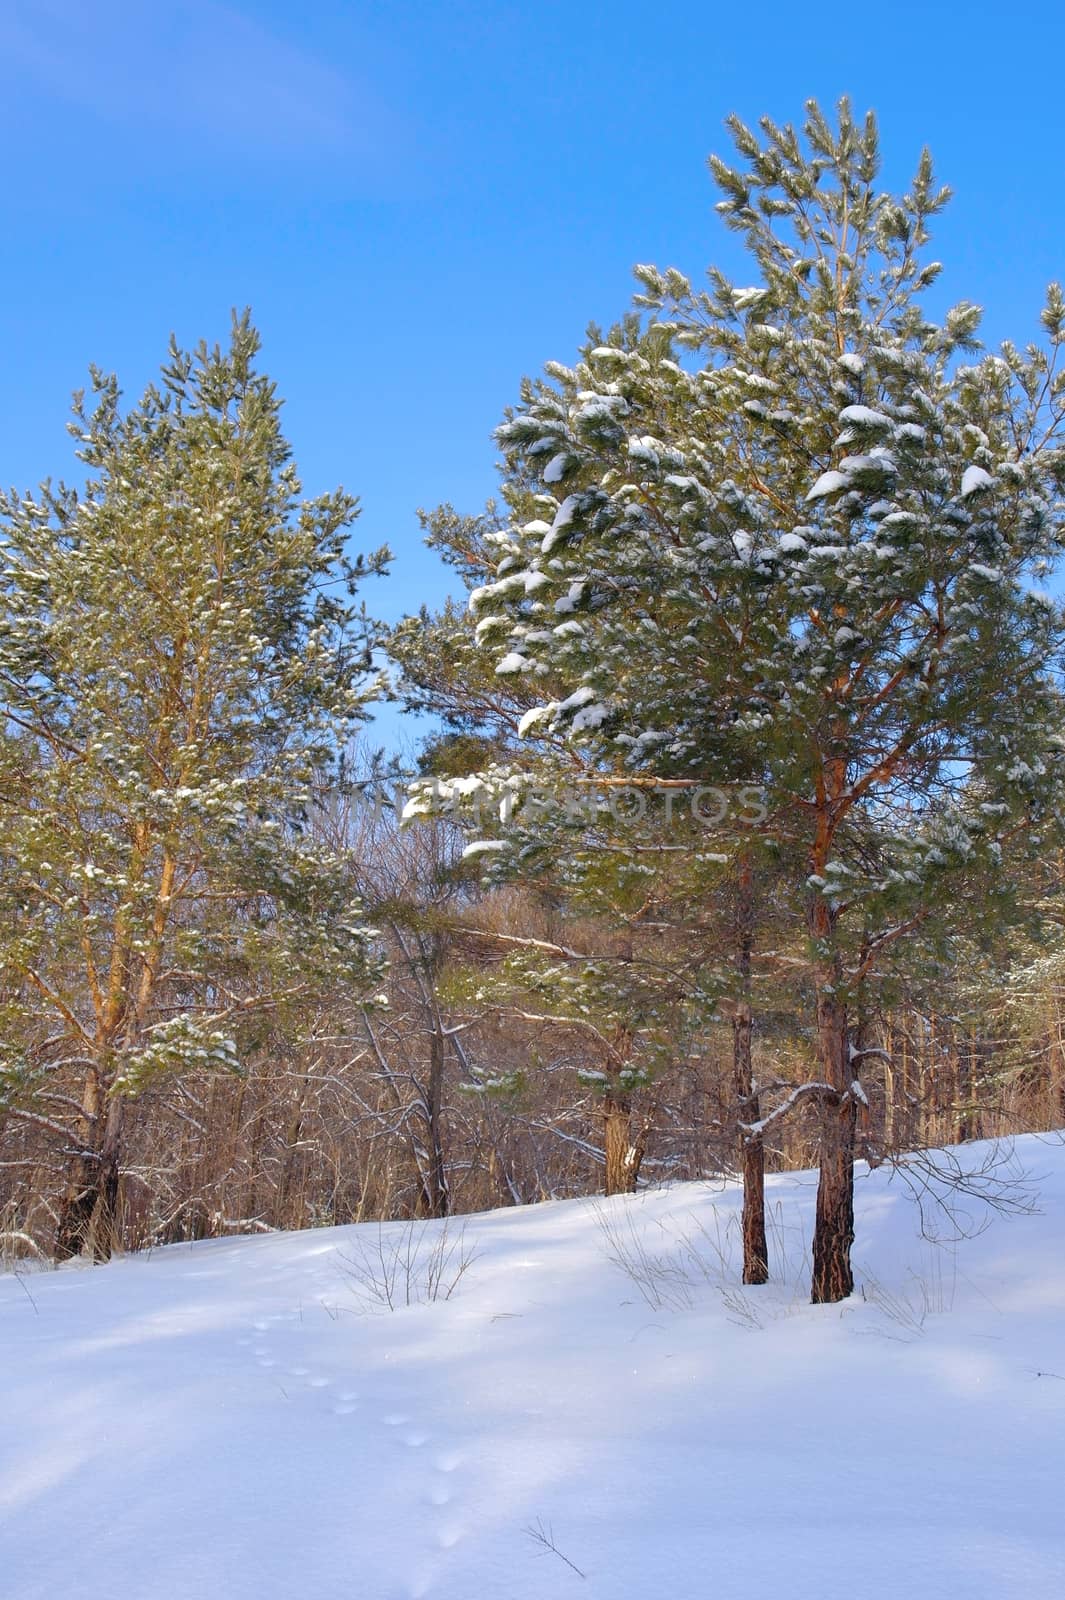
x: 655, y: 911
x: 798, y: 527
x: 179, y: 666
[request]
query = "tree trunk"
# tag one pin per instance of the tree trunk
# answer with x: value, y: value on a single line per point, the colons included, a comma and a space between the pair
x: 752, y: 1156
x: 76, y: 1205
x: 287, y: 1181
x: 1057, y: 1068
x: 889, y: 1088
x: 88, y: 1212
x: 437, y: 1196
x: 623, y: 1153
x: 963, y: 1126
x: 423, y: 960
x: 751, y: 1146
x: 834, y: 1225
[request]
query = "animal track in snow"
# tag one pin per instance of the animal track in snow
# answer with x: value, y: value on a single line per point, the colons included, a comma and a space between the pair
x: 258, y: 1345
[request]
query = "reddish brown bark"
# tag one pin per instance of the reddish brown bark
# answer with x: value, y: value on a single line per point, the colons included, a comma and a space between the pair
x: 834, y: 1221
x: 624, y: 1153
x: 751, y: 1146
x: 88, y: 1213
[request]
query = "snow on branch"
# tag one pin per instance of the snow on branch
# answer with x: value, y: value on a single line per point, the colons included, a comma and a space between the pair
x: 805, y: 1091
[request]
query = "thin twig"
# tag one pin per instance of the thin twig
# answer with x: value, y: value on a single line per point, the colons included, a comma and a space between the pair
x: 545, y: 1537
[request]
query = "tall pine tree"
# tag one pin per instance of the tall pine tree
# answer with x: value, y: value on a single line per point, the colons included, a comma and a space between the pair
x: 797, y: 527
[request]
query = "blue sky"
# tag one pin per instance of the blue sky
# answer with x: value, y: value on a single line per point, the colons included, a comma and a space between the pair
x: 422, y: 201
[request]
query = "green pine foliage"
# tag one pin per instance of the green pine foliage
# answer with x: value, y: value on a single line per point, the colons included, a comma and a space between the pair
x: 180, y: 665
x: 796, y: 530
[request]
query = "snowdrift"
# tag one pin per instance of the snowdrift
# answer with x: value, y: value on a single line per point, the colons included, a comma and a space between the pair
x: 249, y: 1418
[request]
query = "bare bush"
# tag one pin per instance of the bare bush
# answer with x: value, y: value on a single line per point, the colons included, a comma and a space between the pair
x: 925, y: 1294
x: 664, y: 1283
x: 420, y: 1263
x: 698, y: 1254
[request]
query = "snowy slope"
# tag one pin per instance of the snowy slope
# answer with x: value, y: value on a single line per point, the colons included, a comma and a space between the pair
x: 222, y: 1420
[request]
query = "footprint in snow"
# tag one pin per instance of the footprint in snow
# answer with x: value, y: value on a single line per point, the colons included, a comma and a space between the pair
x: 441, y: 1494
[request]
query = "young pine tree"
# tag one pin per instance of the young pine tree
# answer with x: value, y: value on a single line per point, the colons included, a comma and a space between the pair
x: 178, y: 668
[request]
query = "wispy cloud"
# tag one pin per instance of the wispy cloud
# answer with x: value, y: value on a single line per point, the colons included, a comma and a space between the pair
x: 195, y: 70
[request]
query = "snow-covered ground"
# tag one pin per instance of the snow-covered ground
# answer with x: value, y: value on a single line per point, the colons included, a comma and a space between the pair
x: 233, y: 1419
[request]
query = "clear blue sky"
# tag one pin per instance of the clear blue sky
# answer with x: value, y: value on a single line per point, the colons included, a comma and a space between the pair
x: 422, y: 201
